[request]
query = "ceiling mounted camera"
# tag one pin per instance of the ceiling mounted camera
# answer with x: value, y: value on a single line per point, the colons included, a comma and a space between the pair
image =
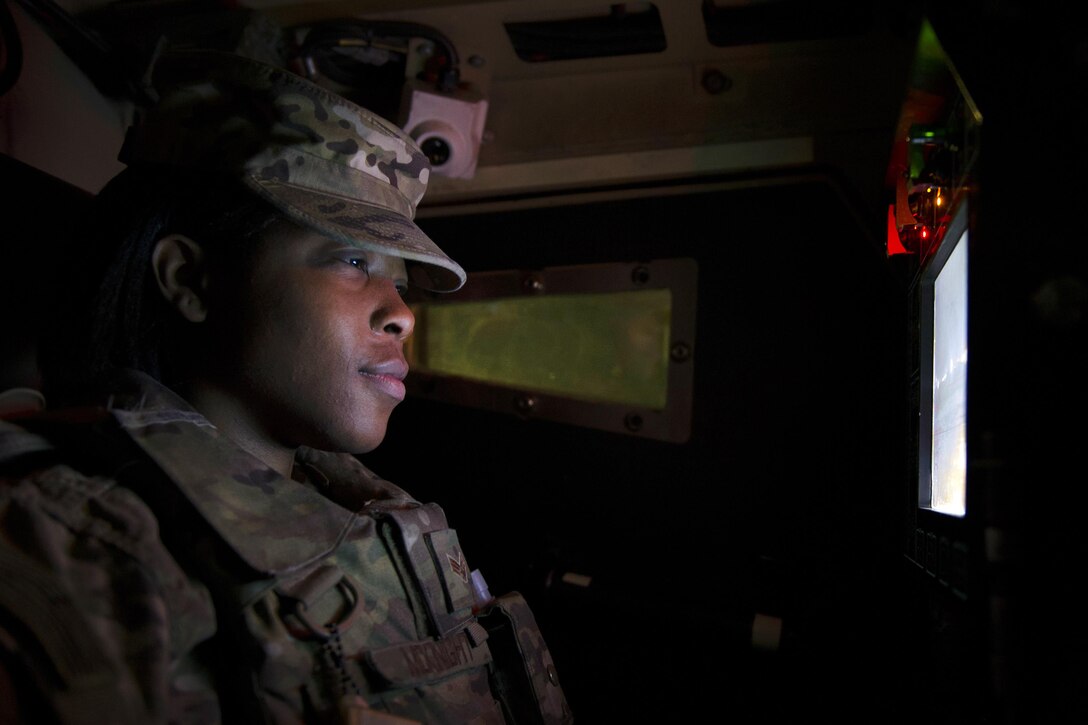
x: 447, y: 126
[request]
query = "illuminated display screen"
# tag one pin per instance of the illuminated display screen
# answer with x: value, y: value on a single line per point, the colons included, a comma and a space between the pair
x: 603, y: 347
x: 948, y: 463
x: 942, y: 452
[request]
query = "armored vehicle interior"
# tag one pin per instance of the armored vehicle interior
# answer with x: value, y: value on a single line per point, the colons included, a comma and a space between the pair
x: 706, y: 399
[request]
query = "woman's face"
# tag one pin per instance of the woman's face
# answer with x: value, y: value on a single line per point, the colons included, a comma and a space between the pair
x: 311, y: 344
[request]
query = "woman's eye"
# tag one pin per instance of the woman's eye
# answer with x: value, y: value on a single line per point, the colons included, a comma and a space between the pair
x: 358, y: 263
x: 402, y: 290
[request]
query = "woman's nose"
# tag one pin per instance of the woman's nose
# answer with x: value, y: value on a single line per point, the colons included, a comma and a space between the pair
x: 393, y: 315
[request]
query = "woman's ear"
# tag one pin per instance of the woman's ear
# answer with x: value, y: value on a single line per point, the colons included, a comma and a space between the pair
x: 179, y: 266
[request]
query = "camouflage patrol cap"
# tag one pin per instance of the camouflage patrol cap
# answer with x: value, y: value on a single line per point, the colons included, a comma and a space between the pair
x: 323, y: 161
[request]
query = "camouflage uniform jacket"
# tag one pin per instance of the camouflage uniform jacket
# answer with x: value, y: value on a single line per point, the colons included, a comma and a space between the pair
x: 152, y: 571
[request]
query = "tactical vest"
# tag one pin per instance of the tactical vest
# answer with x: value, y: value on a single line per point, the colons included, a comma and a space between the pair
x: 385, y: 626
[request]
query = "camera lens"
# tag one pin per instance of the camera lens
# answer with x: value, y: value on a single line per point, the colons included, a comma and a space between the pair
x: 436, y: 149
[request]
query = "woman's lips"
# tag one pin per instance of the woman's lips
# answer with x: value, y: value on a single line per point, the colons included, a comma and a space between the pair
x: 388, y: 378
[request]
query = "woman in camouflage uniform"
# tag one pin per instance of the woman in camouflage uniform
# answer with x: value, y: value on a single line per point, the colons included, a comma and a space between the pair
x: 190, y: 537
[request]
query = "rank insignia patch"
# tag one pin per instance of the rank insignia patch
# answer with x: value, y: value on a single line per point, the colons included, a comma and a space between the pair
x: 458, y: 565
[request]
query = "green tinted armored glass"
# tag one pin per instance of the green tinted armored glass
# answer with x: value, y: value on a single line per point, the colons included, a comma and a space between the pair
x: 608, y: 347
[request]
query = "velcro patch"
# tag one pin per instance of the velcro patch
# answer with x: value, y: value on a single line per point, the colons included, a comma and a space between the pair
x: 452, y: 569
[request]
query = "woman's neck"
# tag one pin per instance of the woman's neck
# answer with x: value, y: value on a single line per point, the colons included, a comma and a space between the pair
x: 238, y: 422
